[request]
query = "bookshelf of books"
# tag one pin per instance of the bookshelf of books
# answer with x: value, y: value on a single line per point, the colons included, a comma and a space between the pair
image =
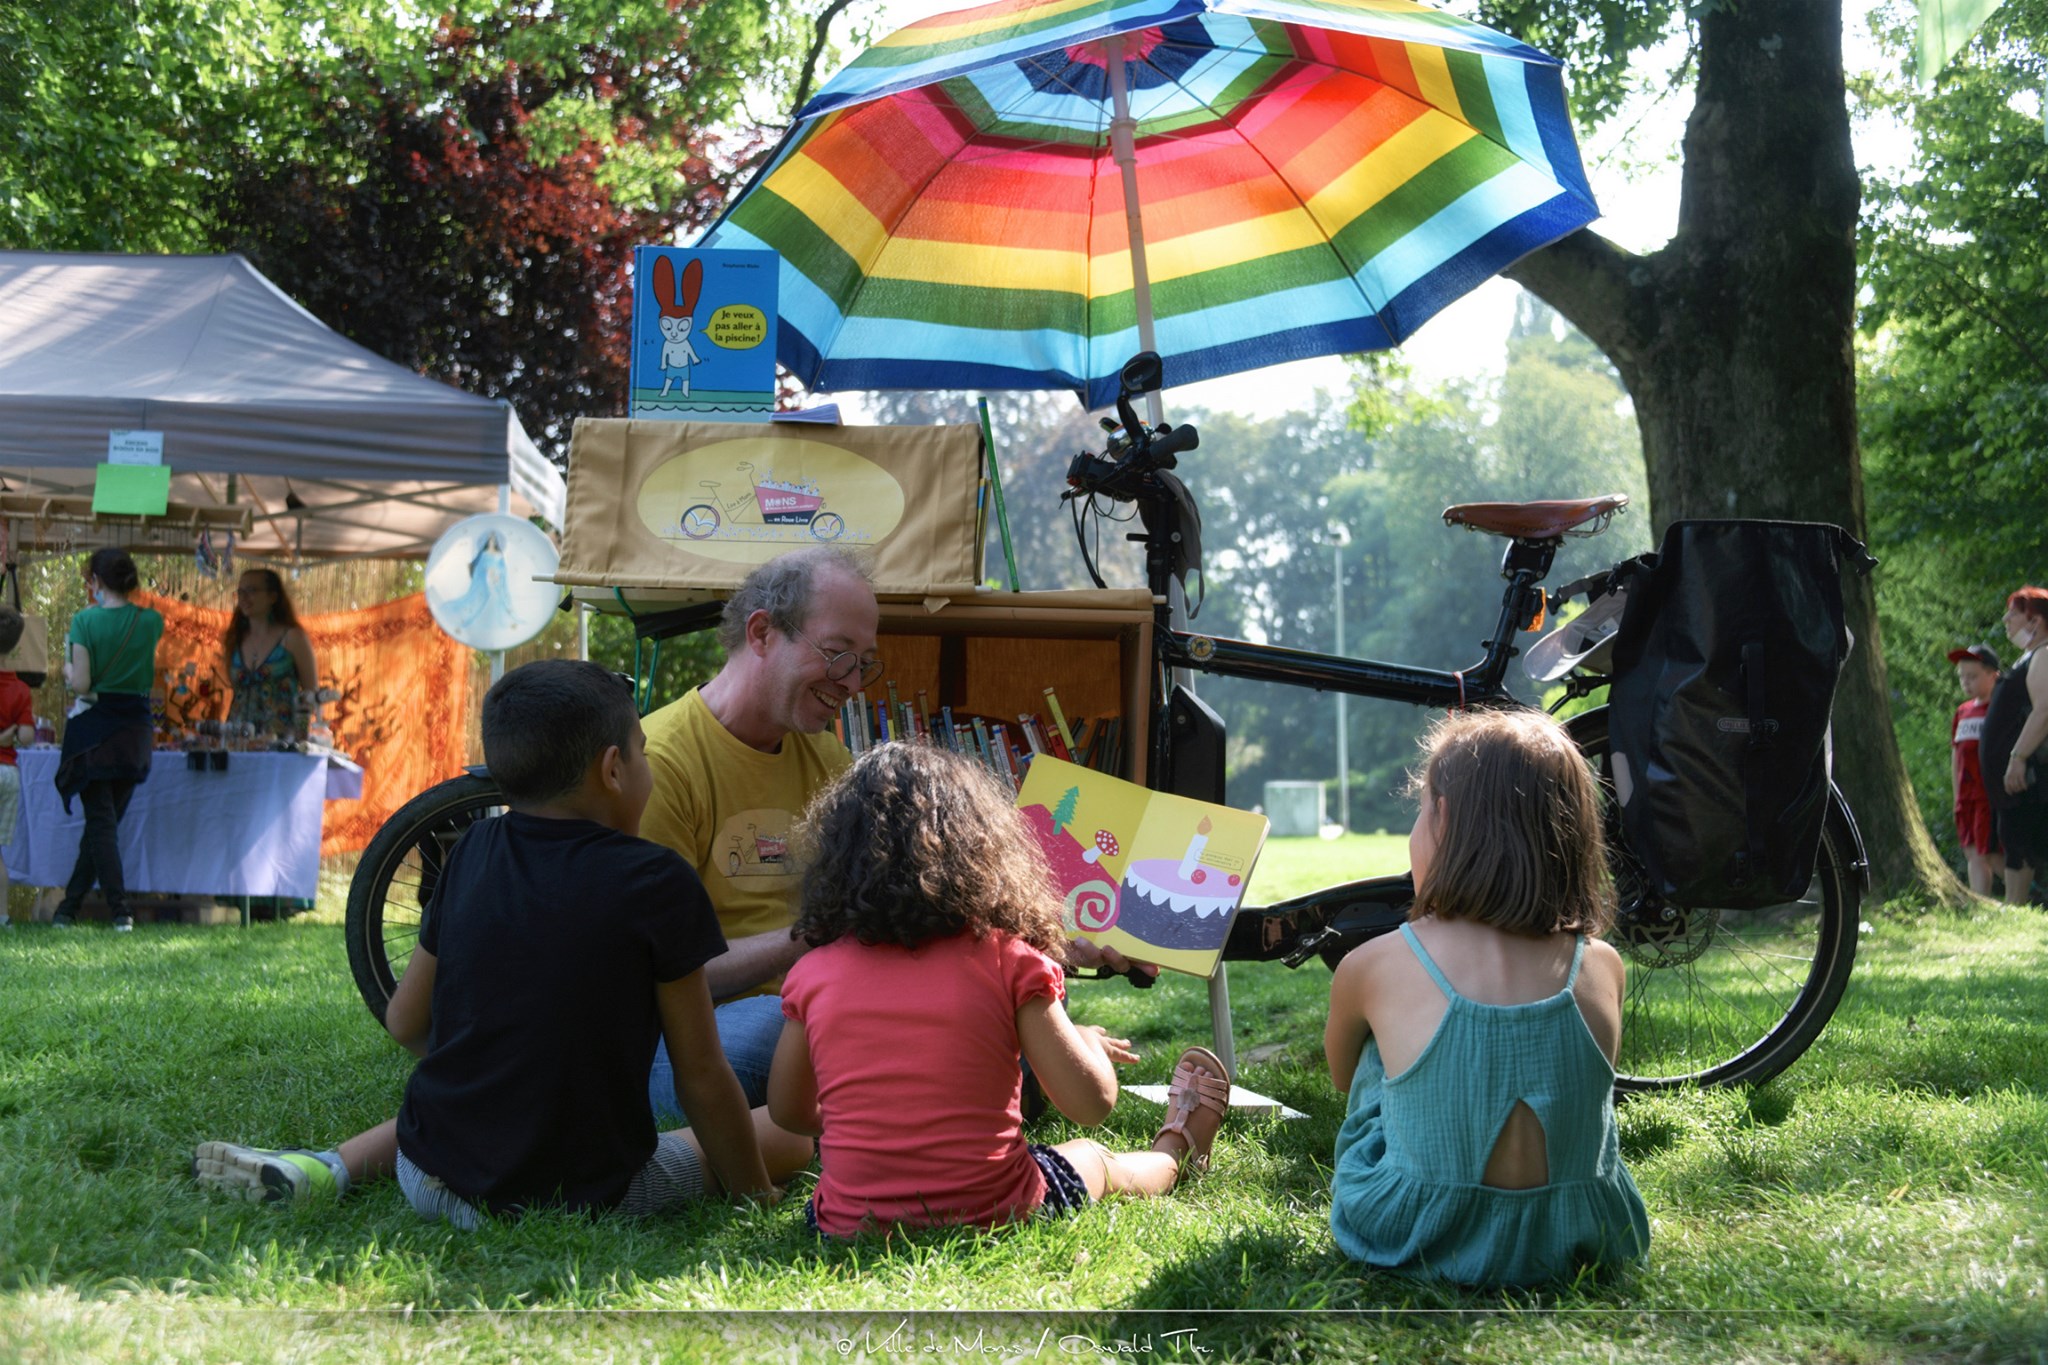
x: 991, y: 657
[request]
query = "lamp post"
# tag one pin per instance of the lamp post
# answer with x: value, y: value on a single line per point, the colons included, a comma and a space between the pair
x: 1343, y: 749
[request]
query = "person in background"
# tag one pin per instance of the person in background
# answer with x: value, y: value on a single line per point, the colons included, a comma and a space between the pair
x: 1977, y: 670
x: 2015, y: 736
x: 17, y: 727
x: 110, y: 662
x: 270, y: 660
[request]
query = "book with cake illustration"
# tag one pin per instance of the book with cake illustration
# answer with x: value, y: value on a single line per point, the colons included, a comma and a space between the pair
x: 1157, y: 877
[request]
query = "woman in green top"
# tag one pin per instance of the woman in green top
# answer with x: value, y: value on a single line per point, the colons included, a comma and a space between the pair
x: 110, y: 661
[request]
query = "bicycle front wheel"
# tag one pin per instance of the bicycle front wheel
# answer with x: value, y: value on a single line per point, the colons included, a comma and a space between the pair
x: 398, y: 875
x: 1718, y: 996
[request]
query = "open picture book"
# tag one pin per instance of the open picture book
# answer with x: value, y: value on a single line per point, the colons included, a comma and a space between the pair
x: 1157, y: 877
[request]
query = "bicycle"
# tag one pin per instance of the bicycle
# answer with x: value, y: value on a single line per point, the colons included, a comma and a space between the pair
x: 778, y: 504
x: 1714, y: 996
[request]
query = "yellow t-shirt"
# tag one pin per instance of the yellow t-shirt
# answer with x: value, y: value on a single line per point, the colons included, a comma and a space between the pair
x: 728, y: 809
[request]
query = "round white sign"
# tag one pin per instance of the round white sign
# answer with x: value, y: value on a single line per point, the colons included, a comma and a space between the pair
x: 486, y: 581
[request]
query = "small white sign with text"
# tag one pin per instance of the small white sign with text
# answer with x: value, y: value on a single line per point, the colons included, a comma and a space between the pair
x: 135, y: 447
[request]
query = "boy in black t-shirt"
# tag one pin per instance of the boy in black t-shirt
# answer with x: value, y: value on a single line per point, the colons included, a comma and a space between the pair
x: 559, y: 946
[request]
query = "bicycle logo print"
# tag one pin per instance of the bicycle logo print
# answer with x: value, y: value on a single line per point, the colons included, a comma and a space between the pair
x: 751, y: 498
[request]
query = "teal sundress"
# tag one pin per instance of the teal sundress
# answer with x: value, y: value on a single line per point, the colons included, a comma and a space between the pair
x: 1406, y: 1192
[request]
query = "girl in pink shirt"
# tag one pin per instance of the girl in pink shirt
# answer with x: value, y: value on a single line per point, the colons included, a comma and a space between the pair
x: 936, y: 945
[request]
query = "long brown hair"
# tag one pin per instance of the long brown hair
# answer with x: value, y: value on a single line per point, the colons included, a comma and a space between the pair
x: 1519, y: 844
x: 238, y: 624
x: 914, y: 844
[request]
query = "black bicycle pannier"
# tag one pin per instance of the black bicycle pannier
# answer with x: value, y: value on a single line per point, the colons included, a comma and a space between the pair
x: 1724, y: 676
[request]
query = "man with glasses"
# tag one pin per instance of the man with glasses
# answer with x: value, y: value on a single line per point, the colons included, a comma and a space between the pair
x: 736, y: 761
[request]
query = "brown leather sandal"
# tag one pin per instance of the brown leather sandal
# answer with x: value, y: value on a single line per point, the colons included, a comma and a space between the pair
x: 1197, y: 1099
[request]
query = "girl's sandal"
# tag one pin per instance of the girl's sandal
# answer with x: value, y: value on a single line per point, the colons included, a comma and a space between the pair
x: 1197, y: 1099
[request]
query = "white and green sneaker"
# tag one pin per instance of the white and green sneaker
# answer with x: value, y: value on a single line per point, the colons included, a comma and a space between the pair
x: 262, y: 1174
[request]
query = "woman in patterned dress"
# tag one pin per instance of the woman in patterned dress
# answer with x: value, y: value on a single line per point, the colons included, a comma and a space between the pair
x: 270, y: 660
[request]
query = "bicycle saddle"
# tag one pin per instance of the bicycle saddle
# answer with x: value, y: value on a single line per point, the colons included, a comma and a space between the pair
x: 1536, y: 520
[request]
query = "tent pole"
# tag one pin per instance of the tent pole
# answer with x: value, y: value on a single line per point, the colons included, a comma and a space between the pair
x: 1123, y: 147
x: 504, y: 510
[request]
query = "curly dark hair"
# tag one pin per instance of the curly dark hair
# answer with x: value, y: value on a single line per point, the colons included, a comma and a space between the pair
x: 915, y: 844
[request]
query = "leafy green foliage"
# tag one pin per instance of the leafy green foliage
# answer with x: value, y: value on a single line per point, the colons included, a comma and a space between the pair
x: 456, y: 187
x: 1954, y: 371
x: 101, y: 103
x: 468, y: 206
x: 1598, y: 41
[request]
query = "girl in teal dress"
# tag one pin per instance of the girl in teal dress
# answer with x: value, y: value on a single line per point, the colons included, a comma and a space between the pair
x: 1478, y: 1044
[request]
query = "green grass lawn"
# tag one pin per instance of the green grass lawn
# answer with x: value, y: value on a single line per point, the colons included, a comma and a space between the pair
x: 1884, y: 1200
x: 1288, y: 867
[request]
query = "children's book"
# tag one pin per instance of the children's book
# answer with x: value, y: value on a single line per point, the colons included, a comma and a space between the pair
x: 1157, y: 877
x: 703, y: 334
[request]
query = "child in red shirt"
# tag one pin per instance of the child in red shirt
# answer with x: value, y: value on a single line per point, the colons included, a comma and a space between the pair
x: 936, y: 941
x: 17, y: 727
x: 1977, y: 671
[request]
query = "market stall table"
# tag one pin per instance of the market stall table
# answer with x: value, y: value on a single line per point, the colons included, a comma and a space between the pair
x: 249, y: 829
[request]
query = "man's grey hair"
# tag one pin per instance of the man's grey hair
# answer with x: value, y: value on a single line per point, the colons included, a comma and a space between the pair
x: 782, y: 587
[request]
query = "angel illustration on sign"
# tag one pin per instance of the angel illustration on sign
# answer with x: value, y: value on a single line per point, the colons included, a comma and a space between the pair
x: 677, y: 307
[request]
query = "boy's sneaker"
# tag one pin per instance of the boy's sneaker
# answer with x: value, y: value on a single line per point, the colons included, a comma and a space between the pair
x: 124, y: 924
x: 261, y: 1174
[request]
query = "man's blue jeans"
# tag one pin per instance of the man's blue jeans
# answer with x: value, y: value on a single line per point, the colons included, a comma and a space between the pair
x: 748, y: 1029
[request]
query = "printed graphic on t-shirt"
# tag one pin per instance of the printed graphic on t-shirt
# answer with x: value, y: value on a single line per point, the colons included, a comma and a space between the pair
x: 754, y: 843
x: 1969, y: 729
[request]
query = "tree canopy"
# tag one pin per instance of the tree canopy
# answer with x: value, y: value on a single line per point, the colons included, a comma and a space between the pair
x: 458, y: 188
x: 1953, y: 368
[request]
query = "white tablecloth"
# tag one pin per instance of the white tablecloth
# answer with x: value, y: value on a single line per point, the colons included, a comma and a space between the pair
x: 253, y: 830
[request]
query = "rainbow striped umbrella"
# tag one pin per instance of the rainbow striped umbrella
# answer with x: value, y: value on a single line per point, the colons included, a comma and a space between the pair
x: 1021, y: 195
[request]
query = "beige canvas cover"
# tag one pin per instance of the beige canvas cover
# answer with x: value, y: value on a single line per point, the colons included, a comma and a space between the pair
x: 697, y: 505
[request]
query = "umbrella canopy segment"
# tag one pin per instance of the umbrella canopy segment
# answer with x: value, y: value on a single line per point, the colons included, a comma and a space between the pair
x: 1313, y: 177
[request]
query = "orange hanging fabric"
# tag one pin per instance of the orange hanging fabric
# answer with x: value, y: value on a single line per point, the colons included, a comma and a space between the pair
x: 404, y: 698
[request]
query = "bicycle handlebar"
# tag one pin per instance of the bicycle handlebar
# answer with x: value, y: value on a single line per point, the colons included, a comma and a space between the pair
x: 1144, y: 452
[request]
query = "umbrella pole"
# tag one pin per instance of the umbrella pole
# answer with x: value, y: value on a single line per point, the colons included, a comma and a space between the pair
x: 1123, y: 148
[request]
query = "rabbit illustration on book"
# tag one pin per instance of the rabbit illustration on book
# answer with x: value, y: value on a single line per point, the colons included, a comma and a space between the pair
x: 677, y: 355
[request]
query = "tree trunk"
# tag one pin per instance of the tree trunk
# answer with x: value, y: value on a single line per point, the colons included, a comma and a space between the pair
x: 1734, y: 341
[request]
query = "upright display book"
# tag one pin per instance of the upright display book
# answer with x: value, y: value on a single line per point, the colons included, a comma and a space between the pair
x: 1157, y: 877
x: 703, y: 334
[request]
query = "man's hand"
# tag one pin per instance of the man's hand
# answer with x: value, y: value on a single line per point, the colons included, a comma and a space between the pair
x: 1118, y: 1050
x: 1082, y: 955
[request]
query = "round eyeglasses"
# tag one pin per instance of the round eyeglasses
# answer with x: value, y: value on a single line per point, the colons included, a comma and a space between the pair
x: 841, y: 666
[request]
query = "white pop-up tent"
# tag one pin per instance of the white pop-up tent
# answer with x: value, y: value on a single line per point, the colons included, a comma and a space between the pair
x: 339, y: 452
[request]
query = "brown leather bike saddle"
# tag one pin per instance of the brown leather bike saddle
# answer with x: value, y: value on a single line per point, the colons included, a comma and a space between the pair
x: 1550, y: 520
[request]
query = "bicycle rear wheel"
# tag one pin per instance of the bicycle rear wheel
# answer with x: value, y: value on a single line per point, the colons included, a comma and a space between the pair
x: 399, y: 872
x: 1717, y: 996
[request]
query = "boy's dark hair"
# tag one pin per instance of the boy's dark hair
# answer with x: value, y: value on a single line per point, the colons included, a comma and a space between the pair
x: 782, y: 587
x: 914, y: 844
x: 115, y: 570
x: 544, y: 723
x: 1519, y: 846
x: 11, y: 626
